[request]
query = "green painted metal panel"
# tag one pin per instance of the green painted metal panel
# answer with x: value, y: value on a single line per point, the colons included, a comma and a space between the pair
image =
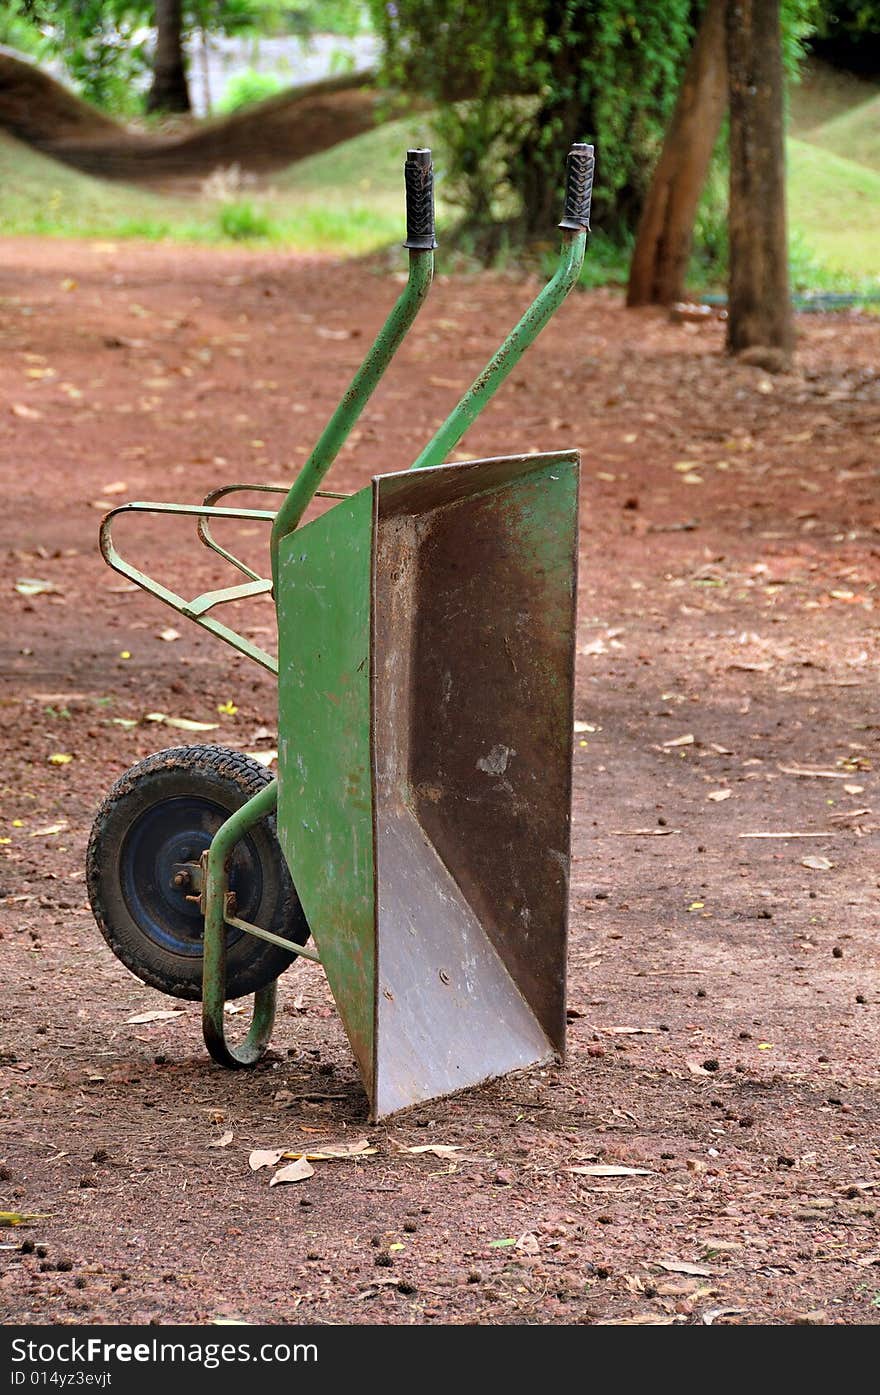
x: 325, y: 806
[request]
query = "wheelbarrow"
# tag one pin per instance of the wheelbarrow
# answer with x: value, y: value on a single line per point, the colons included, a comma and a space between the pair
x: 418, y: 829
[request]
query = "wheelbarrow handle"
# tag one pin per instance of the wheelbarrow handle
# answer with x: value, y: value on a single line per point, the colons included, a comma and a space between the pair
x: 579, y: 165
x: 418, y: 174
x: 575, y: 225
x: 419, y: 182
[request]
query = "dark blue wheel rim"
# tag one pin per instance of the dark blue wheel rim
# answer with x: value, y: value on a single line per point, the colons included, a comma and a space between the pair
x: 172, y: 832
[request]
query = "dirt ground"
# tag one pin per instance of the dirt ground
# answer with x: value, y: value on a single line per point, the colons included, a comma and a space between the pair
x: 723, y: 987
x: 37, y: 109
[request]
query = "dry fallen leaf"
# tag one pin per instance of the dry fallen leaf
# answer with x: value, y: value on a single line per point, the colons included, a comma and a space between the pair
x: 610, y: 1170
x: 817, y: 864
x: 60, y: 758
x: 528, y: 1244
x: 813, y: 772
x: 266, y: 758
x: 645, y: 1320
x: 680, y: 741
x: 33, y: 586
x: 223, y: 1141
x: 21, y: 1217
x: 295, y: 1172
x: 439, y: 1150
x: 48, y: 829
x: 632, y: 1031
x: 182, y: 723
x: 717, y: 795
x: 168, y: 634
x: 333, y: 1151
x: 155, y: 1015
x: 681, y: 1267
x: 264, y: 1157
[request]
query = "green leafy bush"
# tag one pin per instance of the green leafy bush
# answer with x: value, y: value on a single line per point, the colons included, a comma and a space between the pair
x: 517, y: 81
x: 243, y: 222
x: 247, y: 88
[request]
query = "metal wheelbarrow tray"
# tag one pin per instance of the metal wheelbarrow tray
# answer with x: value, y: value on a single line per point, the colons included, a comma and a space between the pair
x: 426, y: 629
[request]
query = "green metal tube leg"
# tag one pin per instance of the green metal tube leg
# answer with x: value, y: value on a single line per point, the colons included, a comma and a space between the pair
x: 214, y: 963
x: 487, y: 384
x: 361, y: 388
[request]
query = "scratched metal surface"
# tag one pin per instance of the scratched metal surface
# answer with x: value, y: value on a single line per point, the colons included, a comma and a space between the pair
x: 426, y: 643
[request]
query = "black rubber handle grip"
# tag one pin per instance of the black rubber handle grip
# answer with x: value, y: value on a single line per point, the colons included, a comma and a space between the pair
x: 418, y: 174
x: 579, y: 166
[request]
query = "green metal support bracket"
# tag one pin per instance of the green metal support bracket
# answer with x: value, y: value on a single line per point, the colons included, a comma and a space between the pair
x: 214, y: 962
x: 195, y: 609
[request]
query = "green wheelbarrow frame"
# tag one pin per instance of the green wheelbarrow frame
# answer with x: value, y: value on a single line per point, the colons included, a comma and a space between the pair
x: 426, y: 633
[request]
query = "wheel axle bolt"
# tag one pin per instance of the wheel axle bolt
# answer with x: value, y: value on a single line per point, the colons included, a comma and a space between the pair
x: 181, y: 879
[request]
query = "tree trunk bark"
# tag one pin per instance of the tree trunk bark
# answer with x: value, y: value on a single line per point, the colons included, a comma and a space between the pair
x: 169, y: 91
x: 758, y: 302
x: 666, y: 227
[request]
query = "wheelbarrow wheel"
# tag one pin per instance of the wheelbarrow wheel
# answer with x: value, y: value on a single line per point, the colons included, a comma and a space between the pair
x: 149, y: 832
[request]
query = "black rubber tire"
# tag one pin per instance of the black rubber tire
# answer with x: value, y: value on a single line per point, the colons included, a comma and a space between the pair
x: 223, y: 781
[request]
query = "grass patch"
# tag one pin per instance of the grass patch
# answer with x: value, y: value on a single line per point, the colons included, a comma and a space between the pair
x: 854, y: 135
x: 348, y: 201
x: 42, y: 196
x: 834, y: 209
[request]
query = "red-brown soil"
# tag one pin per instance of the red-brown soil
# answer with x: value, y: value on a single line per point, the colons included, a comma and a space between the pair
x: 723, y: 995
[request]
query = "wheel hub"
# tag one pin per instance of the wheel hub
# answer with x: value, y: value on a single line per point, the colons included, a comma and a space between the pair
x: 161, y: 872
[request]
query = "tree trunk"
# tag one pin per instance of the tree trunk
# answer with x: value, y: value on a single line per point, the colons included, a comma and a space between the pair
x: 758, y: 302
x: 169, y: 91
x: 666, y: 227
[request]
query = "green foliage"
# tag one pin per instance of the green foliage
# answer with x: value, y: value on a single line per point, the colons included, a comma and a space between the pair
x: 243, y: 223
x: 106, y: 45
x: 345, y: 17
x: 247, y: 88
x: 18, y: 31
x: 102, y: 44
x: 847, y: 33
x: 518, y: 80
